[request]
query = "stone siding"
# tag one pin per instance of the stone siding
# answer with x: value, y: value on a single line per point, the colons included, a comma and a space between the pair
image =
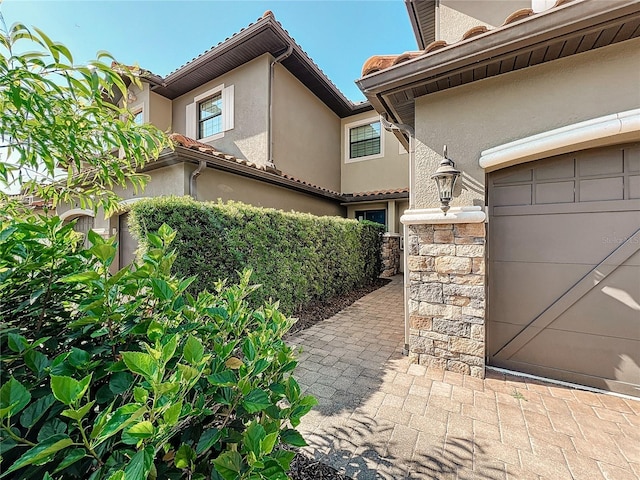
x: 447, y: 296
x: 390, y: 254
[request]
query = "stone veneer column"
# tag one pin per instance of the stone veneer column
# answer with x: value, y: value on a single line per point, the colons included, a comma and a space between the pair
x: 447, y: 294
x: 390, y: 254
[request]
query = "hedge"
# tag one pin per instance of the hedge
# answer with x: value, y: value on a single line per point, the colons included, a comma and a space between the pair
x: 298, y: 258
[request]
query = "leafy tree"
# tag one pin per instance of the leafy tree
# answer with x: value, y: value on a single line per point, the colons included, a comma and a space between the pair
x: 62, y: 135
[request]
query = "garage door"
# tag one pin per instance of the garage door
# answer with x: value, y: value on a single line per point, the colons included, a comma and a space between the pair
x: 564, y: 268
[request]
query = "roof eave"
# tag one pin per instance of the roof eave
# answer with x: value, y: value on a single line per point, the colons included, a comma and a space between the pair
x: 520, y: 35
x: 420, y: 25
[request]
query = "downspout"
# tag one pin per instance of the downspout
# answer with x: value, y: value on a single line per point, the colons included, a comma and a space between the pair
x: 193, y: 192
x: 270, y: 118
x: 410, y: 132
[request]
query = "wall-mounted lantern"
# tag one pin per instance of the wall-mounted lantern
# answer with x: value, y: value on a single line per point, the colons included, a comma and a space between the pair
x: 445, y: 178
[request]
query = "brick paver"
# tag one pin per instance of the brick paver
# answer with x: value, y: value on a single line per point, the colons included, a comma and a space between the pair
x: 380, y: 416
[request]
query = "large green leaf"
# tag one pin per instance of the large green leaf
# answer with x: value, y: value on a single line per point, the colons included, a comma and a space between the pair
x: 13, y: 398
x: 70, y: 458
x: 141, y: 363
x: 140, y: 465
x: 41, y: 453
x: 185, y: 456
x: 120, y: 382
x: 161, y: 289
x: 121, y: 418
x: 193, y: 350
x: 172, y: 414
x: 208, y: 439
x: 292, y: 437
x: 83, y: 277
x: 229, y: 465
x: 69, y: 390
x: 36, y: 410
x: 253, y: 436
x: 142, y: 429
x: 256, y: 400
x: 36, y: 361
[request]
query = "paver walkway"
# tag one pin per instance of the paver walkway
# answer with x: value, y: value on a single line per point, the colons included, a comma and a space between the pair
x: 379, y: 416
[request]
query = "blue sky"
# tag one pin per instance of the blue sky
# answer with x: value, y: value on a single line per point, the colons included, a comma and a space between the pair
x: 163, y: 35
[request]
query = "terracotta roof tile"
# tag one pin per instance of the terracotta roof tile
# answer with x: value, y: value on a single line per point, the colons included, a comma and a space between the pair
x: 378, y: 63
x: 192, y: 144
x: 374, y: 193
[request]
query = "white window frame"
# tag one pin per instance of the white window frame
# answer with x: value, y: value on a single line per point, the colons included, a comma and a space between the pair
x: 347, y: 138
x: 192, y: 113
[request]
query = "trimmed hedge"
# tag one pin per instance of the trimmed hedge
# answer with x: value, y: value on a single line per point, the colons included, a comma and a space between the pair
x: 296, y: 257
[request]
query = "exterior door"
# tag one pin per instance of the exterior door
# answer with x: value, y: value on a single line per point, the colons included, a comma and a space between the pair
x: 564, y: 268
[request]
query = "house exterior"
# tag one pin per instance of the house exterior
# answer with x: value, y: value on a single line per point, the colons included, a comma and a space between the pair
x: 536, y: 267
x: 256, y: 120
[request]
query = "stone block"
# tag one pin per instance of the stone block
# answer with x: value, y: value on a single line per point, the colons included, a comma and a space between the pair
x: 435, y: 336
x: 469, y: 241
x: 456, y: 300
x: 472, y: 320
x: 419, y: 263
x: 470, y: 251
x: 468, y: 279
x: 471, y: 360
x: 445, y: 353
x: 443, y: 236
x: 414, y: 306
x: 451, y: 327
x: 436, y: 250
x: 415, y: 276
x: 458, y: 367
x: 426, y: 309
x: 477, y: 372
x: 420, y: 344
x: 477, y: 332
x: 428, y: 277
x: 443, y: 226
x: 471, y: 291
x: 451, y: 264
x: 477, y: 266
x: 468, y: 347
x: 430, y: 292
x: 420, y: 323
x: 469, y: 230
x: 473, y: 312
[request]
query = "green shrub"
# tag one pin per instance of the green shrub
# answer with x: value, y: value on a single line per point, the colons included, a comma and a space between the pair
x: 297, y: 258
x: 127, y: 376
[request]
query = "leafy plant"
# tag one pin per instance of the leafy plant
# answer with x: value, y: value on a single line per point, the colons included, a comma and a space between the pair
x: 136, y: 378
x: 63, y: 136
x: 297, y: 258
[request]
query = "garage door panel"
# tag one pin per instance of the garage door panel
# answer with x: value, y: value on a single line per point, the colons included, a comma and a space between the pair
x: 564, y: 272
x: 605, y: 357
x: 559, y: 238
x: 524, y: 290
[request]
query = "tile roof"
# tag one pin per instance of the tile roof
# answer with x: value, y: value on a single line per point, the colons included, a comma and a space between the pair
x: 378, y: 63
x: 192, y: 144
x: 377, y: 194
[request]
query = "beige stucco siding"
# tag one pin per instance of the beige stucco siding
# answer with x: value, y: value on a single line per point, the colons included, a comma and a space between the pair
x: 458, y: 16
x: 248, y: 138
x: 390, y: 171
x: 306, y: 133
x: 159, y: 114
x: 214, y: 184
x: 494, y: 111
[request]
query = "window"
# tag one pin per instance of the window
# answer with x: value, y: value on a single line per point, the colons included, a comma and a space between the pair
x: 138, y: 117
x: 363, y: 140
x: 211, y: 114
x: 377, y: 216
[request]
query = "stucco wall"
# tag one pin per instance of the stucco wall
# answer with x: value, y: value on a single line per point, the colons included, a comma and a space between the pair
x: 306, y: 133
x: 214, y: 184
x: 458, y: 16
x: 248, y: 138
x: 387, y: 172
x: 494, y: 111
x: 159, y: 112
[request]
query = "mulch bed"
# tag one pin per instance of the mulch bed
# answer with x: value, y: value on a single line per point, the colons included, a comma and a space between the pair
x: 303, y: 466
x: 318, y: 311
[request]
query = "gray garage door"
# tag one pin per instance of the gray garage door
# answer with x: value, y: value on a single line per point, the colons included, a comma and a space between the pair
x: 564, y: 268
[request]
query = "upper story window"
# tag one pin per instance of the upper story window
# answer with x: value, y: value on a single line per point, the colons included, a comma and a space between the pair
x: 363, y: 140
x: 138, y: 117
x: 211, y: 114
